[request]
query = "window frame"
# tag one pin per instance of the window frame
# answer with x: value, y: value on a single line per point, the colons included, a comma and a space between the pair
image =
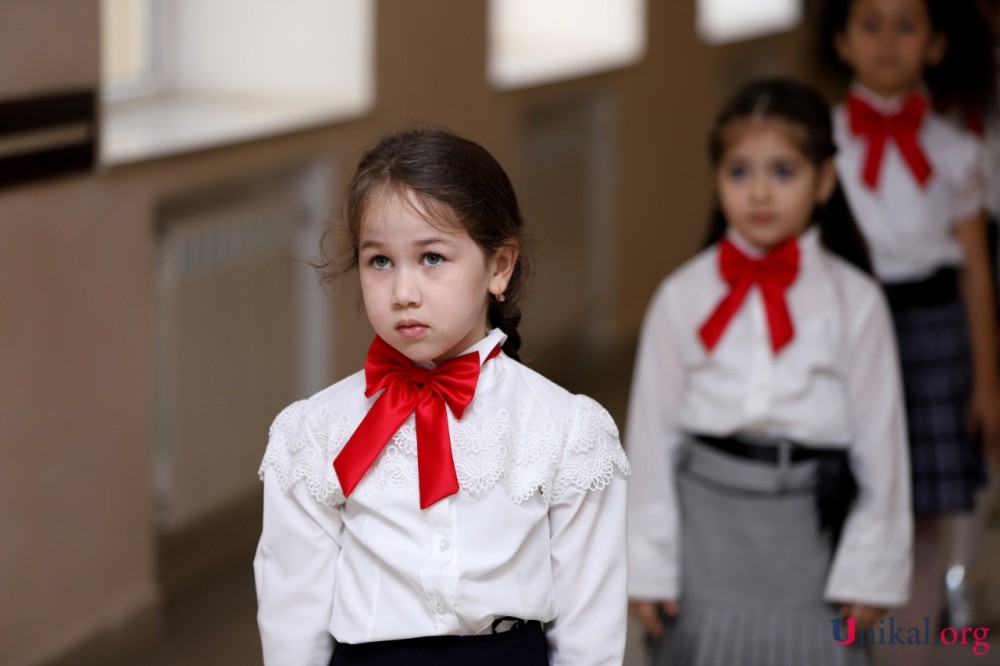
x: 152, y: 81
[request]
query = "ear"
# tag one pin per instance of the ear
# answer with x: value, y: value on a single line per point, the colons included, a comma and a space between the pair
x: 936, y: 49
x: 843, y: 48
x: 827, y: 182
x: 501, y: 266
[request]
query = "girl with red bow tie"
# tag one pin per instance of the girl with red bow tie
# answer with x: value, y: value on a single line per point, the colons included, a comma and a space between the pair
x: 915, y: 183
x: 770, y: 490
x: 446, y: 505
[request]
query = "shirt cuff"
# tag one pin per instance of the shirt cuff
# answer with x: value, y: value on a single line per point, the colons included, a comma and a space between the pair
x: 862, y: 577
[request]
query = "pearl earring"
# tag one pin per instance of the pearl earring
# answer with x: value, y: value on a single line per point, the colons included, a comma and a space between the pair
x: 501, y: 298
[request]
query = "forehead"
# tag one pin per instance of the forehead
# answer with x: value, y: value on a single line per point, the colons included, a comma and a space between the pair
x: 759, y: 134
x: 390, y: 209
x: 911, y: 8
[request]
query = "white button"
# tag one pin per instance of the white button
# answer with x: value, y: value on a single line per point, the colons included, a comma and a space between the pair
x: 438, y: 606
x: 445, y: 545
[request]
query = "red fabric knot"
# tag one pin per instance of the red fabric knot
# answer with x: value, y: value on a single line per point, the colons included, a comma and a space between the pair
x: 408, y: 388
x: 902, y: 127
x: 772, y: 273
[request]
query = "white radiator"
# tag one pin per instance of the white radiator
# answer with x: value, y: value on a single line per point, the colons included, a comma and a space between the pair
x: 242, y: 328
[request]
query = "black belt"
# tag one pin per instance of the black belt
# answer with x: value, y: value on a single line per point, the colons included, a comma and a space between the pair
x: 938, y: 289
x: 527, y: 640
x: 763, y: 452
x: 836, y: 488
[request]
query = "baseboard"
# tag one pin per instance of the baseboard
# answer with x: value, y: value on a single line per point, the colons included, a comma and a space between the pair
x: 115, y: 643
x: 217, y: 543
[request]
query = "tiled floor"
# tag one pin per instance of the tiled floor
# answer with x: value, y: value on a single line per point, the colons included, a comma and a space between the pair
x: 215, y: 625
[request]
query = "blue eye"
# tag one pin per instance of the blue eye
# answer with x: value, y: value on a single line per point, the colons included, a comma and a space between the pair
x: 379, y: 261
x: 784, y: 172
x: 433, y: 259
x: 738, y: 172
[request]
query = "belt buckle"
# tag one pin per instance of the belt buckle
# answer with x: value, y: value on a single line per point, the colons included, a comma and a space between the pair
x: 507, y: 623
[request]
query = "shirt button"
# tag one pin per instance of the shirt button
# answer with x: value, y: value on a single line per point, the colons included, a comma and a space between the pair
x: 445, y: 545
x: 438, y: 606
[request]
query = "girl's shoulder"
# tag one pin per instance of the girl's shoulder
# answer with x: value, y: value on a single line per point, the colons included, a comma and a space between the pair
x: 696, y: 279
x: 347, y: 395
x: 539, y: 398
x: 848, y: 274
x: 859, y: 291
x: 692, y: 271
x: 949, y: 139
x: 563, y: 440
x: 300, y: 436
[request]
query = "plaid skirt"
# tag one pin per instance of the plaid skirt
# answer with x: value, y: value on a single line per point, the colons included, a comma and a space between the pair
x: 947, y: 463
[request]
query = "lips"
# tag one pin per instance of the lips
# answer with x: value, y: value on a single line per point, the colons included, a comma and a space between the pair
x: 761, y: 218
x: 410, y: 329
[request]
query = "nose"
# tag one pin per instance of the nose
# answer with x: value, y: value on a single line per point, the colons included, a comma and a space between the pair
x: 760, y: 187
x: 405, y: 288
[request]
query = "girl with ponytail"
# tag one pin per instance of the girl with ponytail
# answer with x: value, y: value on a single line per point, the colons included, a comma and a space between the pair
x: 445, y: 505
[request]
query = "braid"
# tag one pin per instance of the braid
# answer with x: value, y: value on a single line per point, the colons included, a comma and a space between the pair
x: 507, y: 318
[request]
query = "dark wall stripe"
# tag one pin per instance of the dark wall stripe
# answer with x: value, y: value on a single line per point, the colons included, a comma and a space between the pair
x: 24, y: 116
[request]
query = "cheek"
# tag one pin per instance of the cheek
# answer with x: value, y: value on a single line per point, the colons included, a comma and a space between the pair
x: 371, y: 289
x: 729, y: 201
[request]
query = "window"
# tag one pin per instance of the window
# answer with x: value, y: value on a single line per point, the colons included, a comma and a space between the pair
x: 721, y: 21
x: 541, y: 41
x: 128, y: 49
x: 223, y: 71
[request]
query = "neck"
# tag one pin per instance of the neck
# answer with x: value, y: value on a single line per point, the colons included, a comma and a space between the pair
x: 887, y: 95
x: 750, y: 248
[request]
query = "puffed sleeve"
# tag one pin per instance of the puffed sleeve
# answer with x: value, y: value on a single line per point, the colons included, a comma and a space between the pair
x: 873, y: 560
x: 966, y: 169
x: 297, y: 553
x: 651, y: 438
x: 587, y: 533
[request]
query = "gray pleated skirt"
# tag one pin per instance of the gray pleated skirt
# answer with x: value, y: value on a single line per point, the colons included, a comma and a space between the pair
x: 754, y: 565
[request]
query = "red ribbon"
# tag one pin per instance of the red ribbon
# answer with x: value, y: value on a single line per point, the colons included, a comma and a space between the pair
x: 901, y: 127
x: 409, y: 388
x: 772, y: 273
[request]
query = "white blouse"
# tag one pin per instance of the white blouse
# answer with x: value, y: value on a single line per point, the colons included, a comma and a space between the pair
x: 909, y: 228
x: 537, y: 530
x: 836, y: 384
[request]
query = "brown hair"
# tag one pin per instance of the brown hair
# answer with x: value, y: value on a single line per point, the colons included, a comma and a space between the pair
x: 453, y: 179
x: 804, y: 108
x: 965, y: 78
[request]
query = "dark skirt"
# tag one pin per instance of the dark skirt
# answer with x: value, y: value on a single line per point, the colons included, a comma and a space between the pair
x: 934, y: 352
x: 754, y: 564
x: 525, y: 646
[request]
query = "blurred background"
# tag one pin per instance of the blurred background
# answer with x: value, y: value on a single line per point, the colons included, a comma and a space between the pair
x: 166, y: 170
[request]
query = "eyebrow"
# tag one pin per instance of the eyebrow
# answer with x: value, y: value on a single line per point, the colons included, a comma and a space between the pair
x: 423, y: 242
x: 780, y: 158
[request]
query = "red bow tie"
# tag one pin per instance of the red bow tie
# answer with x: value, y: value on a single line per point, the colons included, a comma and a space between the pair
x: 409, y: 388
x: 772, y: 273
x: 902, y: 127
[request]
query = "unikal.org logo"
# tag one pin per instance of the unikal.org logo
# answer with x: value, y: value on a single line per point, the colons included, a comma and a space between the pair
x: 846, y: 632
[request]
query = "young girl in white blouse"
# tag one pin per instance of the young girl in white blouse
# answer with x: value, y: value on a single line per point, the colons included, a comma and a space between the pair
x: 766, y: 375
x: 914, y: 182
x: 446, y: 505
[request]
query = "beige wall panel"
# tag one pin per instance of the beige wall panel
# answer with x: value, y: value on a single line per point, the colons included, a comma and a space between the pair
x: 75, y: 408
x: 48, y: 45
x: 76, y: 301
